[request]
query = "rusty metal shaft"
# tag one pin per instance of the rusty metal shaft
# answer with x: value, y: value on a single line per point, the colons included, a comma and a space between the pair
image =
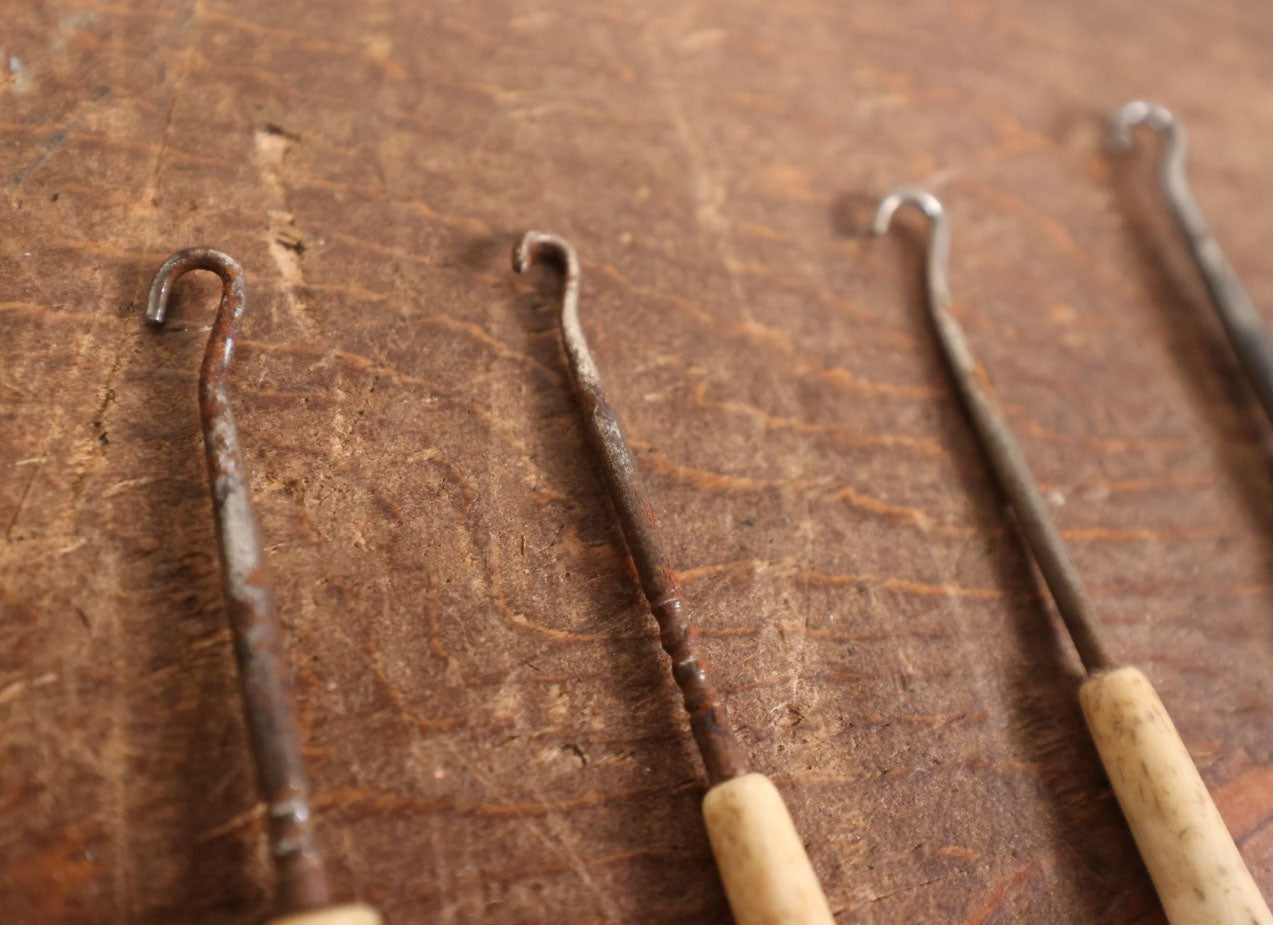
x: 716, y: 743
x: 1241, y: 320
x: 1007, y: 461
x: 264, y: 673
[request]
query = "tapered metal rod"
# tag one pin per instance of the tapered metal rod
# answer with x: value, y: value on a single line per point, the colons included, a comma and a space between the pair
x: 1195, y: 865
x: 708, y: 720
x: 1242, y: 322
x: 761, y: 857
x: 264, y: 673
x: 1001, y: 448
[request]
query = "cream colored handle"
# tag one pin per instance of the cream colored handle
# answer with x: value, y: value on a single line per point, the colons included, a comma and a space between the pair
x: 1195, y: 866
x: 767, y: 875
x: 351, y: 914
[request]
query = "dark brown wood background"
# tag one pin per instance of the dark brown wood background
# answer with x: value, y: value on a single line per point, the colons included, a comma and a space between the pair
x: 490, y: 726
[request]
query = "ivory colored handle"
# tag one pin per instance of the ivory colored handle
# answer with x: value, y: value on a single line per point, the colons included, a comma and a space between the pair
x: 350, y: 914
x: 1196, y: 868
x: 767, y: 875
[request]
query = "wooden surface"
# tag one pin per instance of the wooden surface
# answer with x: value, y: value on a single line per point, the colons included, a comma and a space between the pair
x: 491, y: 730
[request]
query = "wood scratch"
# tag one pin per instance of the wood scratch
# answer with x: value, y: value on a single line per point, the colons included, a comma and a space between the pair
x: 22, y: 500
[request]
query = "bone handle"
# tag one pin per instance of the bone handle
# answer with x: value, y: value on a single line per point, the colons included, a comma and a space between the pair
x: 350, y: 914
x: 1196, y: 868
x: 767, y: 875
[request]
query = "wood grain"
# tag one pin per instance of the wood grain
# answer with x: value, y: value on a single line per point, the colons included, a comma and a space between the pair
x: 490, y: 729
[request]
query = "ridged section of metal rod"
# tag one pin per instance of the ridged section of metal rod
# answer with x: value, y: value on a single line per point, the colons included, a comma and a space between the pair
x: 708, y: 720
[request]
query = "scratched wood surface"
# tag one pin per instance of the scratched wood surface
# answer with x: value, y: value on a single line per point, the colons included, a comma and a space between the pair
x: 490, y: 727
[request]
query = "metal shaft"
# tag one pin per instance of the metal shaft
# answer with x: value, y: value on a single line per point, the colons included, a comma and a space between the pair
x: 708, y: 720
x: 1241, y: 320
x: 264, y: 674
x: 1004, y: 454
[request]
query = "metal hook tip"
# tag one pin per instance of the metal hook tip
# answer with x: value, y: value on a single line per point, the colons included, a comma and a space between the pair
x: 921, y: 199
x: 521, y: 252
x: 1141, y: 112
x: 191, y: 258
x: 543, y: 244
x: 157, y: 303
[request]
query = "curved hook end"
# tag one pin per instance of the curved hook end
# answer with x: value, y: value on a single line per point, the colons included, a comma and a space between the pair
x: 1142, y: 112
x: 544, y: 245
x: 191, y: 258
x: 160, y: 289
x: 921, y: 199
